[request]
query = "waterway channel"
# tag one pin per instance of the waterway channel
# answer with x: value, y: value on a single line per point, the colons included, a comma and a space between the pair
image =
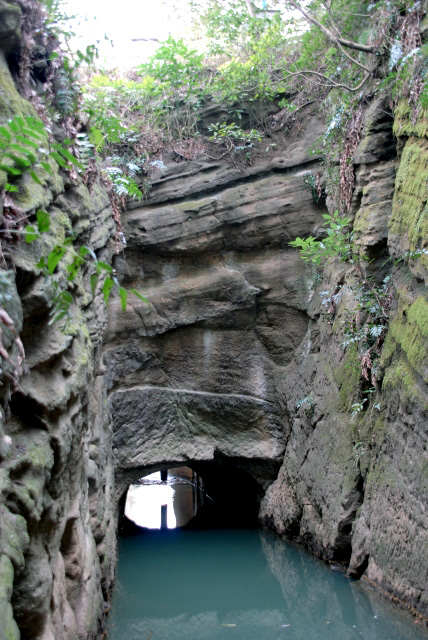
x: 237, y: 584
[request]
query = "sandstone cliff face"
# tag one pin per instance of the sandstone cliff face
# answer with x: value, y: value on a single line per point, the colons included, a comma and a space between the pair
x: 238, y: 360
x: 197, y: 376
x: 57, y: 528
x: 356, y: 490
x: 236, y: 365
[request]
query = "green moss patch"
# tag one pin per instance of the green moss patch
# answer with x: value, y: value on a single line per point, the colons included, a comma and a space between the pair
x: 409, y: 218
x: 403, y: 125
x: 11, y: 103
x: 9, y: 628
x: 400, y: 378
x: 409, y: 329
x: 348, y: 377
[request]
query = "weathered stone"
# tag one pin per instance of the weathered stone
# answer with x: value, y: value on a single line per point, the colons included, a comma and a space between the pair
x: 355, y: 490
x: 10, y: 26
x: 10, y: 629
x: 236, y: 364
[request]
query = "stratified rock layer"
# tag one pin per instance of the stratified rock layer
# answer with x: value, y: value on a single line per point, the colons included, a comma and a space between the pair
x: 236, y: 365
x: 197, y: 374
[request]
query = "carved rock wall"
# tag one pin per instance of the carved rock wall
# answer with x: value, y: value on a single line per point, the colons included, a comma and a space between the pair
x: 236, y: 362
x: 197, y: 375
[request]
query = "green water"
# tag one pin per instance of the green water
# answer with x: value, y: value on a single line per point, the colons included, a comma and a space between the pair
x: 241, y: 585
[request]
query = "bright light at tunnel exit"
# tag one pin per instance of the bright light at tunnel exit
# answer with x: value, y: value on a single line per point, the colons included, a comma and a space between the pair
x: 144, y: 502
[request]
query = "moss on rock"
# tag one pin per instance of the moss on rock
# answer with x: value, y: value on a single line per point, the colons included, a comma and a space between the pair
x: 409, y: 329
x: 400, y: 379
x: 408, y: 224
x: 11, y: 103
x: 9, y: 630
x: 404, y: 124
x: 348, y: 377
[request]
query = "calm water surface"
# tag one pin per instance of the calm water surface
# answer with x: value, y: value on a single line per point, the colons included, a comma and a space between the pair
x: 241, y: 585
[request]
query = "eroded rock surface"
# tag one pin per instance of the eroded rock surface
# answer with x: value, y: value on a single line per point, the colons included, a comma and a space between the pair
x: 355, y: 490
x: 237, y: 361
x: 197, y: 374
x: 57, y: 522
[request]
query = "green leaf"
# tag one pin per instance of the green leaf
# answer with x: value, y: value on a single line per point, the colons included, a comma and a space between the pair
x: 58, y: 316
x: 46, y: 166
x: 60, y: 160
x: 66, y: 297
x: 14, y: 126
x: 123, y: 297
x: 33, y: 134
x: 27, y: 142
x: 54, y: 258
x: 10, y: 188
x: 43, y: 221
x: 84, y: 251
x: 138, y: 294
x: 31, y: 234
x: 35, y: 177
x: 68, y: 156
x: 41, y: 263
x: 107, y: 287
x: 4, y: 131
x: 13, y: 171
x: 22, y: 163
x: 74, y: 267
x: 99, y: 265
x: 26, y: 152
x: 94, y: 281
x: 19, y: 121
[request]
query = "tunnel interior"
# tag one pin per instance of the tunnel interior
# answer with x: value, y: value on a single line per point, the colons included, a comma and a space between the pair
x: 196, y: 495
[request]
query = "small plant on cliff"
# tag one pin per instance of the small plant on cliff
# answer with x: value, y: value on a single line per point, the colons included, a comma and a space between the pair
x: 25, y: 148
x: 78, y: 258
x: 337, y: 241
x: 366, y: 323
x: 23, y: 142
x: 307, y: 404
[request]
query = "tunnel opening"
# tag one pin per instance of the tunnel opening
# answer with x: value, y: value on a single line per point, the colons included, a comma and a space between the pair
x: 165, y: 499
x: 202, y: 495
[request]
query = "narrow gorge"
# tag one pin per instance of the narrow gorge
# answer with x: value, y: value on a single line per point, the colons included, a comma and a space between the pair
x: 240, y: 366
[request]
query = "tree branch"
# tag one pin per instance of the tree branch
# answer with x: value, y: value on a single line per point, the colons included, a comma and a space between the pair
x: 330, y: 83
x: 346, y: 43
x: 251, y: 8
x: 337, y: 38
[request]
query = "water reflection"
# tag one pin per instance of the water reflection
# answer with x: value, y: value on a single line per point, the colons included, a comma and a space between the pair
x: 246, y: 585
x: 164, y: 504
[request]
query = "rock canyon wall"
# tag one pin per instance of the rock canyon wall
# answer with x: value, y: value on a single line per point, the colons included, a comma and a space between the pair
x: 57, y: 522
x: 238, y: 361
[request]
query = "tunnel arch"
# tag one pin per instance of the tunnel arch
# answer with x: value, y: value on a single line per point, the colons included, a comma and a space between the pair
x: 234, y: 488
x: 158, y: 428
